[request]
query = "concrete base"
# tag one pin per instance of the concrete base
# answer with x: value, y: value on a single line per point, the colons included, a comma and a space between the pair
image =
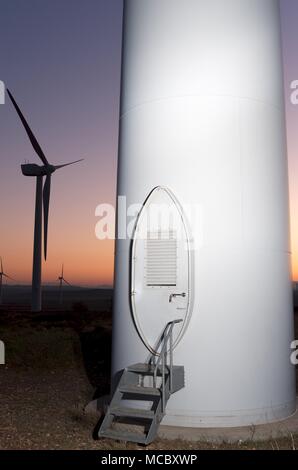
x: 283, y: 428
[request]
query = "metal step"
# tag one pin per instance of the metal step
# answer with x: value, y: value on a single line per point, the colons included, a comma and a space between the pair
x: 132, y: 412
x: 123, y: 436
x: 138, y: 390
x: 146, y: 369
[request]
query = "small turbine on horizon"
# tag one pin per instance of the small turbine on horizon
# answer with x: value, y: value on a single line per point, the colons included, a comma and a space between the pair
x: 62, y: 280
x: 3, y: 274
x: 42, y: 200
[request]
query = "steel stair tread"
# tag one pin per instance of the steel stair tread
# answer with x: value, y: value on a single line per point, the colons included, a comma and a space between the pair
x: 123, y: 436
x: 141, y: 368
x: 131, y: 412
x: 136, y: 389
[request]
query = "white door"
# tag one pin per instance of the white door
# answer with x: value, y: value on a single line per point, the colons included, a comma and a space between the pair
x: 161, y: 268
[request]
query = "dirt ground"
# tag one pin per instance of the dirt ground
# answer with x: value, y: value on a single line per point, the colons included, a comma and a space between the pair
x: 55, y: 364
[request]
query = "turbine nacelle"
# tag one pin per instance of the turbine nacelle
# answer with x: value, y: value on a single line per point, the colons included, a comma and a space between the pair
x: 61, y: 278
x: 32, y: 169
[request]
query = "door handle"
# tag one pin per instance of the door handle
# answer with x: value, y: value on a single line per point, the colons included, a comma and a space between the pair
x: 173, y: 296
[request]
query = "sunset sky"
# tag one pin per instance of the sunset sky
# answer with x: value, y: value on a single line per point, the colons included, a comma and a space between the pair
x: 61, y: 60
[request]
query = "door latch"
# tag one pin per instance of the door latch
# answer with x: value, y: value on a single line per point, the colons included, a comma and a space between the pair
x: 173, y: 296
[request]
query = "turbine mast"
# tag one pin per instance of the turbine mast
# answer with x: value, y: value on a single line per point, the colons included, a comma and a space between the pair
x: 37, y: 247
x: 60, y: 292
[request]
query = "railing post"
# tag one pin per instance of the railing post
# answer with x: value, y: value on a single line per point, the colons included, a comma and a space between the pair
x: 171, y: 360
x: 163, y: 382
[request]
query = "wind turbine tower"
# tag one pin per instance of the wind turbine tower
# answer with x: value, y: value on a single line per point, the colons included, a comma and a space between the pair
x: 203, y: 148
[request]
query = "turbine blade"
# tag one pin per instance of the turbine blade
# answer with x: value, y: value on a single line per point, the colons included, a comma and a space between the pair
x: 66, y: 282
x: 46, y: 204
x: 1, y: 265
x: 57, y: 167
x: 30, y: 134
x: 62, y: 271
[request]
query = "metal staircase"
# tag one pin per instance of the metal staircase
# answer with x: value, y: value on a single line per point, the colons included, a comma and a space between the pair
x: 139, y: 401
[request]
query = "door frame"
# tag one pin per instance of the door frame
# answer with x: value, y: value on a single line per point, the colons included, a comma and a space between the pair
x: 190, y: 253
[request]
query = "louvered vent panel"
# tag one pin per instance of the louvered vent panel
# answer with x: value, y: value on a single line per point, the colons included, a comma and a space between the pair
x: 161, y: 260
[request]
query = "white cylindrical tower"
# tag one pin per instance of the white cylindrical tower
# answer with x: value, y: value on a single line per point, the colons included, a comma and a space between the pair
x: 202, y: 119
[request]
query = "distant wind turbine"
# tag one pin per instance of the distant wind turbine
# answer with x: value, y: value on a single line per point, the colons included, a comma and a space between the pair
x: 42, y: 199
x: 62, y: 280
x: 2, y: 275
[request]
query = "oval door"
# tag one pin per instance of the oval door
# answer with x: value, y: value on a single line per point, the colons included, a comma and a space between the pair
x: 161, y: 269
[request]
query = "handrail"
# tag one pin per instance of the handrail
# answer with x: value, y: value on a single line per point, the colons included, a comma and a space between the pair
x: 166, y: 336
